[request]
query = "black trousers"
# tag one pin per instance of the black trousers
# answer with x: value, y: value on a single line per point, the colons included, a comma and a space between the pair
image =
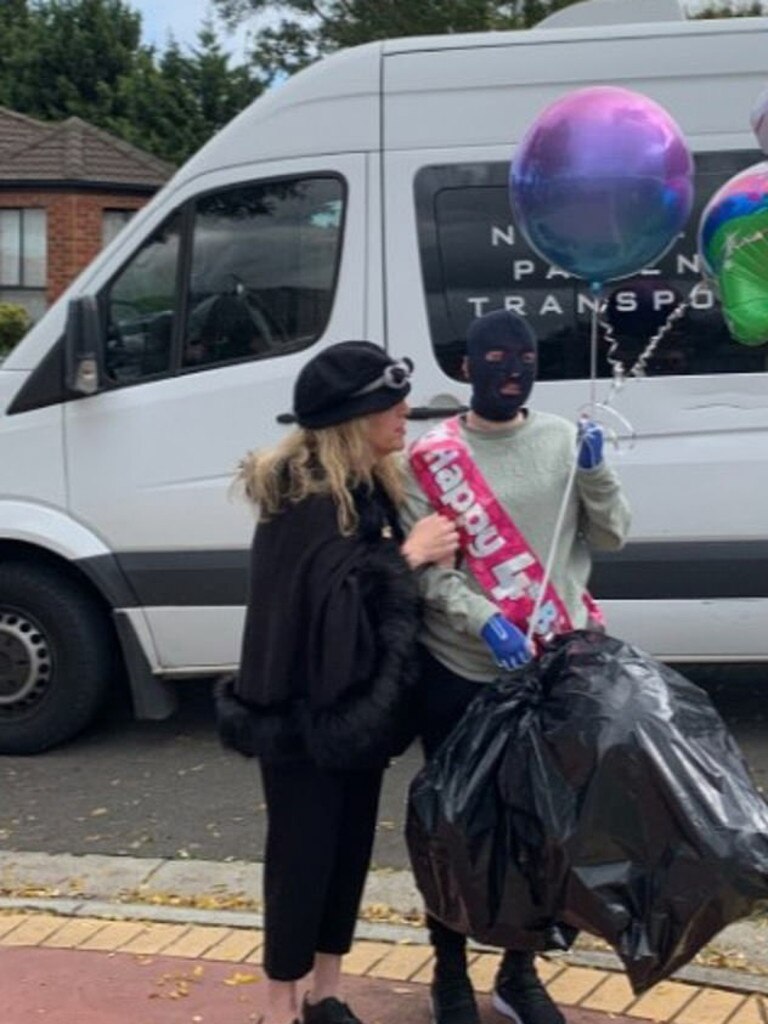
x: 443, y: 697
x: 320, y: 831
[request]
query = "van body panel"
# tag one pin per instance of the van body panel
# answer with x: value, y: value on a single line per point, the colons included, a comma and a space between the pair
x: 32, y: 465
x: 151, y: 465
x: 200, y: 639
x: 460, y: 98
x: 331, y: 107
x: 32, y: 522
x: 542, y: 36
x: 693, y: 631
x: 143, y: 458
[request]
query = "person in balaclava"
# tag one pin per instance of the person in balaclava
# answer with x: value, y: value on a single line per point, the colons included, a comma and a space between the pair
x: 524, y: 458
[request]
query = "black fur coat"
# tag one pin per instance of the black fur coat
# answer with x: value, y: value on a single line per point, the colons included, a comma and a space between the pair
x: 327, y: 669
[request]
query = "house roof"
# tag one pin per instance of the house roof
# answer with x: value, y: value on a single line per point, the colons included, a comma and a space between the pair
x: 73, y: 152
x: 18, y: 130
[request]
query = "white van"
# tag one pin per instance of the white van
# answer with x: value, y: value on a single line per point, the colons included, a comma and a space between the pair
x: 364, y: 198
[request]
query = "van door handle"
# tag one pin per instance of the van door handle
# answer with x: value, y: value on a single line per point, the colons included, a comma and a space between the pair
x: 440, y: 408
x: 417, y: 412
x: 434, y: 412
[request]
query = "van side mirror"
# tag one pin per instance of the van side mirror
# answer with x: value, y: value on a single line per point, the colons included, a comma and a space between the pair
x: 82, y: 346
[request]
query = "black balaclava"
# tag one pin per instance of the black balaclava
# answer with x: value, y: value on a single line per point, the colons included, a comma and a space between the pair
x: 510, y: 335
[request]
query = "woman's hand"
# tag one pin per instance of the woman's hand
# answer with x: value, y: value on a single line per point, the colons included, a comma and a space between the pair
x: 432, y: 539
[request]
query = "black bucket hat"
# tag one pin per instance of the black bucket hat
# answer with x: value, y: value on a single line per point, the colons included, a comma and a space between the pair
x: 347, y: 380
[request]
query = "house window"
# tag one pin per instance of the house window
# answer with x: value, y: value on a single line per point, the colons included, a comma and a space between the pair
x: 112, y: 222
x: 23, y: 249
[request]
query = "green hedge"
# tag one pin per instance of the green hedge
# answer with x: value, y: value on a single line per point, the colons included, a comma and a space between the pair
x: 14, y: 324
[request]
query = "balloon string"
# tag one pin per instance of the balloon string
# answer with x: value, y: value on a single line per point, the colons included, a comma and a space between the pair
x: 560, y: 521
x: 595, y: 288
x: 638, y: 368
x: 553, y: 546
x: 619, y: 376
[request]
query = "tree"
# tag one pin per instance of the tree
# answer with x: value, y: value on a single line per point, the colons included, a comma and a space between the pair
x: 220, y: 91
x: 85, y: 58
x: 154, y: 109
x: 172, y: 105
x: 309, y: 29
x: 67, y: 56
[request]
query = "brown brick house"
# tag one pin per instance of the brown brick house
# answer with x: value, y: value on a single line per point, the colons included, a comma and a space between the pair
x: 66, y: 188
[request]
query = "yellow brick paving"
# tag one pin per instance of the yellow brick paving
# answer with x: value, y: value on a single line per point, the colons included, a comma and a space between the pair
x: 754, y: 1011
x: 664, y: 1002
x: 482, y: 971
x: 573, y: 986
x: 670, y: 1002
x: 612, y: 995
x: 73, y: 932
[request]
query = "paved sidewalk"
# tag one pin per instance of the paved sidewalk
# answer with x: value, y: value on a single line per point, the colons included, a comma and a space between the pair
x: 96, y: 988
x: 97, y: 940
x: 90, y: 970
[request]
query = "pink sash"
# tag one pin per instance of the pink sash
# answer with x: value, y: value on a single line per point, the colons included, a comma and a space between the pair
x: 496, y: 552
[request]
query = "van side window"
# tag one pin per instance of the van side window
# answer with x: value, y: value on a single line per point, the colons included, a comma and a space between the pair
x: 263, y: 269
x: 141, y: 308
x: 474, y: 259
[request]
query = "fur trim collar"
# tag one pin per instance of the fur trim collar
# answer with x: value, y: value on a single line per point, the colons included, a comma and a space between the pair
x: 364, y: 727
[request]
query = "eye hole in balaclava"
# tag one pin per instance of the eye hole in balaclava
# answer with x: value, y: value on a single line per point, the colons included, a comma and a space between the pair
x: 501, y: 364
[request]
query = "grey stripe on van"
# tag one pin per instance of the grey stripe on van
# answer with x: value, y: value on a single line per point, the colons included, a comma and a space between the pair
x: 687, y: 570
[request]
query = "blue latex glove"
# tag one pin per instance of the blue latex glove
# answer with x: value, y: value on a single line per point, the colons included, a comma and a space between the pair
x: 589, y: 438
x: 507, y: 643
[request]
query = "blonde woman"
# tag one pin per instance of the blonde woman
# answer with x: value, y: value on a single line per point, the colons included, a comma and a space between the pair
x: 323, y: 693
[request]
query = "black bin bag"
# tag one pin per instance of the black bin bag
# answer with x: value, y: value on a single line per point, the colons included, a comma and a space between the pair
x: 595, y: 790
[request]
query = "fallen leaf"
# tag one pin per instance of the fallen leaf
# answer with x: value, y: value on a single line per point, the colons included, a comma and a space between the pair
x: 239, y: 978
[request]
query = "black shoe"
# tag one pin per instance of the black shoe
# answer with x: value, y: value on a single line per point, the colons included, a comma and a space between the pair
x: 453, y: 1001
x: 327, y: 1011
x: 520, y: 995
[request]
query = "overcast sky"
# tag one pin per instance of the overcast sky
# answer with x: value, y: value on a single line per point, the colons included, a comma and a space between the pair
x: 182, y: 19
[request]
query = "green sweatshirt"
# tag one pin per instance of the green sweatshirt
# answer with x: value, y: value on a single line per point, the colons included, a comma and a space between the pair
x: 527, y: 466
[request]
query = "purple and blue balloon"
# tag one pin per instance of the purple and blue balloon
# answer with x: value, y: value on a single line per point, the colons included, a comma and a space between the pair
x: 602, y: 183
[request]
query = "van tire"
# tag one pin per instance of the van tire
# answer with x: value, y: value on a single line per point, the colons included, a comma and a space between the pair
x: 57, y: 657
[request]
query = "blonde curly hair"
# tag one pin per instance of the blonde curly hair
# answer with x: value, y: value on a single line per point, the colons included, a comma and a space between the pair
x: 332, y: 460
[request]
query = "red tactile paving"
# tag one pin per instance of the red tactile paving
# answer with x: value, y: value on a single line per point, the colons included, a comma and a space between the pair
x: 58, y: 986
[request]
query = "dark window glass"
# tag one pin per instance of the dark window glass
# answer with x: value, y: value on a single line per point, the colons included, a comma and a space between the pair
x: 23, y: 248
x: 112, y: 223
x: 474, y: 260
x: 263, y: 271
x: 141, y: 305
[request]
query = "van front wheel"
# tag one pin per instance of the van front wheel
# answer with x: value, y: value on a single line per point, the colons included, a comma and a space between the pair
x: 56, y: 657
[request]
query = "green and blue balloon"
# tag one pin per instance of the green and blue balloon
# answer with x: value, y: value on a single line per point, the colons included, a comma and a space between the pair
x: 733, y: 245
